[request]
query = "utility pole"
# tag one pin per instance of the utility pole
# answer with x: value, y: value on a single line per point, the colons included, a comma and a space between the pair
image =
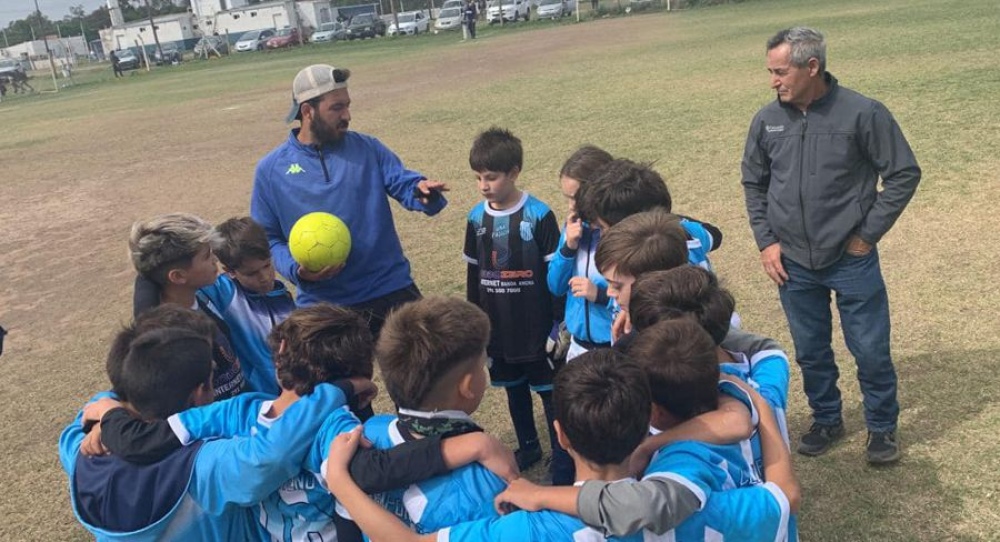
x: 48, y: 53
x: 156, y: 39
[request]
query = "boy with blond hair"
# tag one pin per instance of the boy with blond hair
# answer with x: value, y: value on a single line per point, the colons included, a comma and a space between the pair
x: 174, y: 252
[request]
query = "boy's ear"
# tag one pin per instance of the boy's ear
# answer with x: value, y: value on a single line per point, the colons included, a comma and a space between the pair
x: 465, y: 386
x: 514, y: 173
x: 282, y: 346
x: 176, y: 276
x: 561, y: 436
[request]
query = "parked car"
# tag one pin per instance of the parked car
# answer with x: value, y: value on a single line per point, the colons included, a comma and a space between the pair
x: 330, y: 32
x: 9, y: 66
x: 254, y: 40
x: 171, y: 54
x: 410, y: 24
x: 286, y: 37
x: 512, y: 10
x: 449, y: 18
x: 453, y: 4
x: 128, y: 60
x: 209, y: 45
x: 554, y: 9
x: 365, y: 25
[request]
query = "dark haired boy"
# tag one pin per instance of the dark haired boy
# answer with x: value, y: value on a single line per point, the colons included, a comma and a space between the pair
x: 199, y: 492
x: 623, y: 188
x: 249, y: 297
x: 509, y: 239
x: 432, y: 358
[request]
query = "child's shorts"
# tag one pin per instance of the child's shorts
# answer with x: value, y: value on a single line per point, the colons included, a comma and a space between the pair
x: 538, y: 374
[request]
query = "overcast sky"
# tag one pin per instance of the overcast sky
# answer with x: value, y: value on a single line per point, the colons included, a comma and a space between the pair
x: 12, y: 10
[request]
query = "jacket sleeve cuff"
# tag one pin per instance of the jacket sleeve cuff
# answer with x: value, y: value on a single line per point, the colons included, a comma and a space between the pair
x: 602, y: 296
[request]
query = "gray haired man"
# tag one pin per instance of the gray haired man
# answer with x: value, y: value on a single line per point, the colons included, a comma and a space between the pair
x: 811, y: 168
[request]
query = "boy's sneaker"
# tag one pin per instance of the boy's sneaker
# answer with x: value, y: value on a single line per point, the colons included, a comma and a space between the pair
x: 883, y: 447
x: 526, y: 458
x: 819, y: 438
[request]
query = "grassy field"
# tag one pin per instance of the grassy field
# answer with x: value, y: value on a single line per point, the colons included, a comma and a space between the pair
x: 677, y: 89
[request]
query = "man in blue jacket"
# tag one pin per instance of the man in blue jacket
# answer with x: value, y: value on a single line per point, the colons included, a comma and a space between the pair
x: 323, y: 166
x: 811, y: 171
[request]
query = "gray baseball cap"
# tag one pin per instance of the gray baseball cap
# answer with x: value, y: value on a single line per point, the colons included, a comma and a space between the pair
x: 313, y: 81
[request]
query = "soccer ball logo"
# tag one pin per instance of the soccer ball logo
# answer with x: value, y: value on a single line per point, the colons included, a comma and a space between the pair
x: 319, y: 240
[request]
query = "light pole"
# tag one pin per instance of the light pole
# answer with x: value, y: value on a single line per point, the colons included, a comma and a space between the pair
x: 48, y: 53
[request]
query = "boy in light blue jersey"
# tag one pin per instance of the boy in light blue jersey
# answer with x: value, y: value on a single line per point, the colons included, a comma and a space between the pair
x: 688, y: 490
x: 432, y: 357
x: 318, y: 344
x: 249, y: 297
x: 188, y: 494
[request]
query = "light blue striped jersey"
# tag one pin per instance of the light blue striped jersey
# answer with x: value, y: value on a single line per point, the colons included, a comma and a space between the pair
x: 465, y: 494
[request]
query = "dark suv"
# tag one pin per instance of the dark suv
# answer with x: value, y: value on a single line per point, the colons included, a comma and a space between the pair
x: 365, y: 25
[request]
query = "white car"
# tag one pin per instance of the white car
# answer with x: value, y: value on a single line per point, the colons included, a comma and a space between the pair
x: 254, y: 40
x: 512, y: 10
x: 329, y: 32
x: 453, y: 4
x: 410, y: 24
x: 554, y: 9
x: 449, y: 18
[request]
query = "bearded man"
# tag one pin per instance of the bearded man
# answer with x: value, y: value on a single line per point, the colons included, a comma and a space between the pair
x: 324, y: 166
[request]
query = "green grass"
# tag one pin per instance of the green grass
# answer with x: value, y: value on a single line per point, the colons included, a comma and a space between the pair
x: 677, y: 89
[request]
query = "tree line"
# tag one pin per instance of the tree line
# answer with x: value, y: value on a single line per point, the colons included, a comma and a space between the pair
x: 78, y: 21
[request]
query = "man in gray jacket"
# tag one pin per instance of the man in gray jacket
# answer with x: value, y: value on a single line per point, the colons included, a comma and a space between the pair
x: 811, y: 167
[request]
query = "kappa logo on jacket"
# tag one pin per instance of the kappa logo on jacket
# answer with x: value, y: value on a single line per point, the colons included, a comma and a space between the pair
x: 294, y: 168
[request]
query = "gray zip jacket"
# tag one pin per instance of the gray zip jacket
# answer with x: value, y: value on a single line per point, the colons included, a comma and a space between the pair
x: 811, y: 179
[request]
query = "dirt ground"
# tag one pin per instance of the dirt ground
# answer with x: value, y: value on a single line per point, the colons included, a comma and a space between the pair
x: 69, y: 198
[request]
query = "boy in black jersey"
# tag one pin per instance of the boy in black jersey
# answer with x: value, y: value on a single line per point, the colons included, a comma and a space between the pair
x: 510, y: 238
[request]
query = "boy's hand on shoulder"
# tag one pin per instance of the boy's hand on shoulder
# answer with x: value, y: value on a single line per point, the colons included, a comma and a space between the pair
x: 494, y: 456
x: 638, y: 462
x: 519, y: 495
x: 574, y: 230
x: 94, y: 412
x: 342, y: 449
x: 365, y: 390
x: 92, y: 444
x: 326, y: 273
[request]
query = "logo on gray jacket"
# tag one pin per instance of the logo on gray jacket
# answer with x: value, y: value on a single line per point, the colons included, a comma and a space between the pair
x: 773, y: 129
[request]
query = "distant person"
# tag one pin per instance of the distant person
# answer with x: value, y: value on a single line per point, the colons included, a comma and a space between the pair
x: 469, y: 15
x: 115, y: 65
x: 323, y: 166
x: 595, y: 4
x: 811, y: 168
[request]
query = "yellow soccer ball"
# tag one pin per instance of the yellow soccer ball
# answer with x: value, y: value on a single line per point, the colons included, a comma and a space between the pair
x: 319, y: 240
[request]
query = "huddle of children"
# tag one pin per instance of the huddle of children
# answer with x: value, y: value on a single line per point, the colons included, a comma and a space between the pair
x: 235, y: 416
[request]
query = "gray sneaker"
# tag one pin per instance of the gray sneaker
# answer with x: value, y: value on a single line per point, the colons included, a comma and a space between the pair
x: 883, y: 447
x: 819, y: 438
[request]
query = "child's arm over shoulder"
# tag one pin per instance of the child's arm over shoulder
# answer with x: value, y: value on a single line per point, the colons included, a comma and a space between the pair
x: 243, y: 471
x: 72, y: 436
x: 375, y: 521
x: 221, y: 292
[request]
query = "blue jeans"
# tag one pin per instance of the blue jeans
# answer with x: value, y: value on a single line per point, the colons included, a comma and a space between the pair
x: 864, y: 314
